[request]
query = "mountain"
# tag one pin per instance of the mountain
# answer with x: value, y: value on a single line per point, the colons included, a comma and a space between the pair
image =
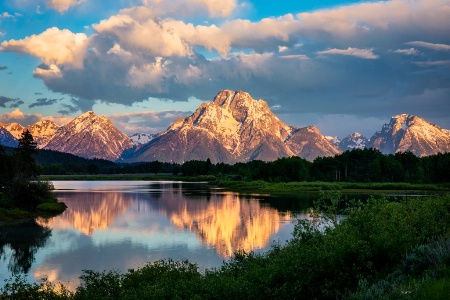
x: 15, y: 129
x: 7, y: 139
x: 142, y: 138
x: 42, y: 132
x: 233, y: 127
x: 309, y: 143
x: 411, y: 133
x: 353, y: 141
x: 333, y: 139
x: 90, y: 136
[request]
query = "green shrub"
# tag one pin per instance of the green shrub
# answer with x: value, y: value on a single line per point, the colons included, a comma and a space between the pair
x: 51, y: 207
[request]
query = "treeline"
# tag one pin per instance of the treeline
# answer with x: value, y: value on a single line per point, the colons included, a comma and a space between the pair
x: 358, y: 165
x: 51, y: 162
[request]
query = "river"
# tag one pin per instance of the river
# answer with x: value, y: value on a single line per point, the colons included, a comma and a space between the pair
x: 119, y: 225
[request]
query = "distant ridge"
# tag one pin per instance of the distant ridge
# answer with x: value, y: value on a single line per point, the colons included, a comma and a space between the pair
x: 411, y: 133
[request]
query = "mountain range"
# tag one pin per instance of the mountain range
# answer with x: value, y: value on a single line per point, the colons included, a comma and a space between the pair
x: 234, y: 127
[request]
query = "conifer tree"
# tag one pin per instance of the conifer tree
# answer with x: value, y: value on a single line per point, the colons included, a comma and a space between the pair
x: 26, y: 167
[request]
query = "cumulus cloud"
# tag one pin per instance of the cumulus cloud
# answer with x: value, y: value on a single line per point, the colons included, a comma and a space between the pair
x: 53, y: 46
x: 62, y: 5
x: 27, y: 119
x: 360, y: 53
x: 19, y: 117
x: 437, y: 47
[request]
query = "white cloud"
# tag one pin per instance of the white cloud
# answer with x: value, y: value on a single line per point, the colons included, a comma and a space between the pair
x: 62, y: 5
x: 410, y: 51
x: 295, y: 56
x: 53, y: 46
x: 437, y: 47
x: 437, y: 63
x: 360, y: 53
x: 282, y: 49
x: 6, y: 15
x: 214, y: 8
x: 19, y: 117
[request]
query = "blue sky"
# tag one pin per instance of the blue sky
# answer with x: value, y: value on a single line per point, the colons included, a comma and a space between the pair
x: 342, y: 65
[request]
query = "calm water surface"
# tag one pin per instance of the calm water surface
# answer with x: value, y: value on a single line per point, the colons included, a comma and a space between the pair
x: 118, y: 225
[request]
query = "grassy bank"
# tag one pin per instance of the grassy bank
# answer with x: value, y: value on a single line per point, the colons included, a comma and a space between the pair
x: 268, y: 187
x: 28, y: 200
x: 382, y: 250
x: 43, y: 210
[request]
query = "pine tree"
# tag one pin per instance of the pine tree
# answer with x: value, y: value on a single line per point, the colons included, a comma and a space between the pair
x: 26, y: 167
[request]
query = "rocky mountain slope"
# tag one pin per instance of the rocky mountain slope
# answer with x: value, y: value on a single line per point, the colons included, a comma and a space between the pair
x: 234, y: 127
x: 15, y: 129
x: 90, y: 136
x: 42, y: 132
x: 353, y: 141
x: 411, y: 133
x: 7, y: 139
x: 309, y: 143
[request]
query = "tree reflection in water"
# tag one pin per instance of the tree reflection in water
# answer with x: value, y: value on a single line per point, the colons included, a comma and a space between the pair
x: 24, y: 239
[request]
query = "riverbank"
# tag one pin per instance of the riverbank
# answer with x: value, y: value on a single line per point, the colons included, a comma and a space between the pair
x: 260, y: 186
x: 345, y: 187
x: 382, y: 250
x: 44, y: 210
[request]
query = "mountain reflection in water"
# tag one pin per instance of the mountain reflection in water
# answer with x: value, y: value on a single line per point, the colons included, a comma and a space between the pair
x: 226, y: 222
x: 123, y: 225
x: 223, y: 221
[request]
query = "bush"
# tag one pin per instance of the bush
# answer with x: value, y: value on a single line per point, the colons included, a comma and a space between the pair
x: 29, y: 194
x: 51, y: 208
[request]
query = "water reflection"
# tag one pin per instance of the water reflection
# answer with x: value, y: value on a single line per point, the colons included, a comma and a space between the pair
x: 19, y: 243
x: 123, y: 225
x: 225, y: 221
x: 88, y: 211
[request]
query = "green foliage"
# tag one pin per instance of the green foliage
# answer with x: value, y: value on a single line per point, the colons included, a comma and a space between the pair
x: 26, y: 167
x: 29, y: 194
x: 18, y: 288
x: 381, y: 250
x: 51, y: 208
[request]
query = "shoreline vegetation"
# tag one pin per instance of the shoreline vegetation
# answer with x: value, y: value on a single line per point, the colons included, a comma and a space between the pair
x: 382, y: 250
x: 22, y: 195
x: 257, y: 186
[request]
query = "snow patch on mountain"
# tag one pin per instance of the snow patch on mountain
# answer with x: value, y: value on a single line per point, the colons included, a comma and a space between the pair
x: 142, y: 138
x: 353, y: 141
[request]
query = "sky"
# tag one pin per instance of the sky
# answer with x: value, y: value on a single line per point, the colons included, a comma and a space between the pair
x: 341, y: 65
